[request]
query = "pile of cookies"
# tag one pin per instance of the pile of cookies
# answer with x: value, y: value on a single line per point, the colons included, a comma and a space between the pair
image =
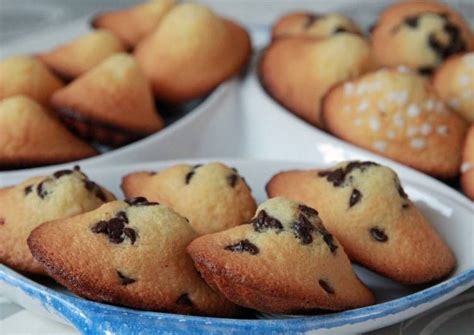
x: 406, y: 91
x: 191, y: 239
x: 102, y: 86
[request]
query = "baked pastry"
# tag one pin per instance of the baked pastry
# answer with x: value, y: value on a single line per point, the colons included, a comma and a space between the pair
x: 284, y: 261
x: 25, y: 206
x: 313, y: 25
x: 467, y: 167
x: 213, y: 197
x: 366, y: 208
x: 454, y: 83
x: 298, y: 72
x: 30, y: 136
x: 134, y: 23
x: 130, y: 253
x: 28, y: 76
x: 82, y: 54
x: 112, y: 103
x: 197, y: 51
x: 420, y: 34
x: 396, y: 113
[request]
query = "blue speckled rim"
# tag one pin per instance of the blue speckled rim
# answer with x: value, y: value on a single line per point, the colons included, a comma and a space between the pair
x: 88, y: 316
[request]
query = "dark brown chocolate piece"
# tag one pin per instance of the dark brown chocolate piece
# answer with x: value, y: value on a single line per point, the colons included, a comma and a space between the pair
x: 378, y: 235
x: 28, y: 189
x: 95, y: 189
x: 405, y: 206
x: 454, y: 45
x: 325, y: 286
x: 411, y: 21
x: 124, y: 280
x: 60, y: 173
x: 191, y: 173
x: 232, y: 180
x: 2, y: 221
x: 140, y: 201
x: 308, y: 211
x: 40, y: 189
x: 310, y: 20
x: 340, y: 29
x: 243, y: 246
x: 426, y: 70
x: 184, y: 300
x: 115, y: 229
x: 338, y: 177
x: 303, y: 229
x: 263, y: 221
x: 355, y: 197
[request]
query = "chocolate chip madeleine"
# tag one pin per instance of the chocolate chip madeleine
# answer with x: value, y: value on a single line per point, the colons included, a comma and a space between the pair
x: 212, y: 196
x: 129, y: 253
x: 284, y: 261
x: 365, y: 206
x: 25, y: 206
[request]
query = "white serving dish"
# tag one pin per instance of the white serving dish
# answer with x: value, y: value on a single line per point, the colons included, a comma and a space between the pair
x: 447, y: 210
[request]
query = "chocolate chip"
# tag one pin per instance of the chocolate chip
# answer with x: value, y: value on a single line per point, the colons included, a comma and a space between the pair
x: 454, y: 45
x: 115, y: 229
x: 372, y: 27
x: 405, y: 206
x: 151, y: 173
x: 28, y: 189
x: 263, y: 222
x: 184, y: 300
x: 412, y: 21
x: 401, y: 191
x: 124, y: 280
x: 131, y: 234
x: 338, y: 177
x: 188, y: 177
x: 340, y: 29
x: 140, y: 201
x: 100, y: 227
x: 232, y: 180
x: 310, y: 19
x: 327, y: 237
x: 243, y: 246
x: 426, y: 70
x: 2, y: 221
x: 303, y: 229
x: 95, y: 189
x: 325, y: 286
x: 40, y: 189
x: 59, y: 174
x: 308, y: 211
x: 378, y: 235
x: 122, y: 216
x: 355, y: 197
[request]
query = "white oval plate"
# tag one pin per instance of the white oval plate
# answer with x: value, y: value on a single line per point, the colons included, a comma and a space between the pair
x: 448, y: 211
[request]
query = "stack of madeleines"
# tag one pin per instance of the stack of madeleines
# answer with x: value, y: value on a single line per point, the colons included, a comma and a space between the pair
x: 102, y: 86
x: 191, y: 239
x: 405, y: 92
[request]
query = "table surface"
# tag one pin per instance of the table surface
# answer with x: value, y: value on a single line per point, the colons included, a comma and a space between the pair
x: 22, y: 17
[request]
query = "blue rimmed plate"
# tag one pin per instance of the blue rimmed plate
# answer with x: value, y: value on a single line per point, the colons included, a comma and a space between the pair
x: 448, y: 211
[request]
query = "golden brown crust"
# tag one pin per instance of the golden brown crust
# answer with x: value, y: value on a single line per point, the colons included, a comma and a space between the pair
x: 24, y: 75
x: 134, y: 23
x: 82, y: 54
x: 307, y: 24
x: 412, y: 252
x: 278, y: 272
x: 396, y: 41
x: 150, y: 271
x: 115, y: 94
x: 467, y: 167
x: 220, y: 49
x: 454, y: 83
x: 398, y: 115
x: 213, y: 197
x: 29, y: 136
x: 39, y: 199
x: 296, y: 73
